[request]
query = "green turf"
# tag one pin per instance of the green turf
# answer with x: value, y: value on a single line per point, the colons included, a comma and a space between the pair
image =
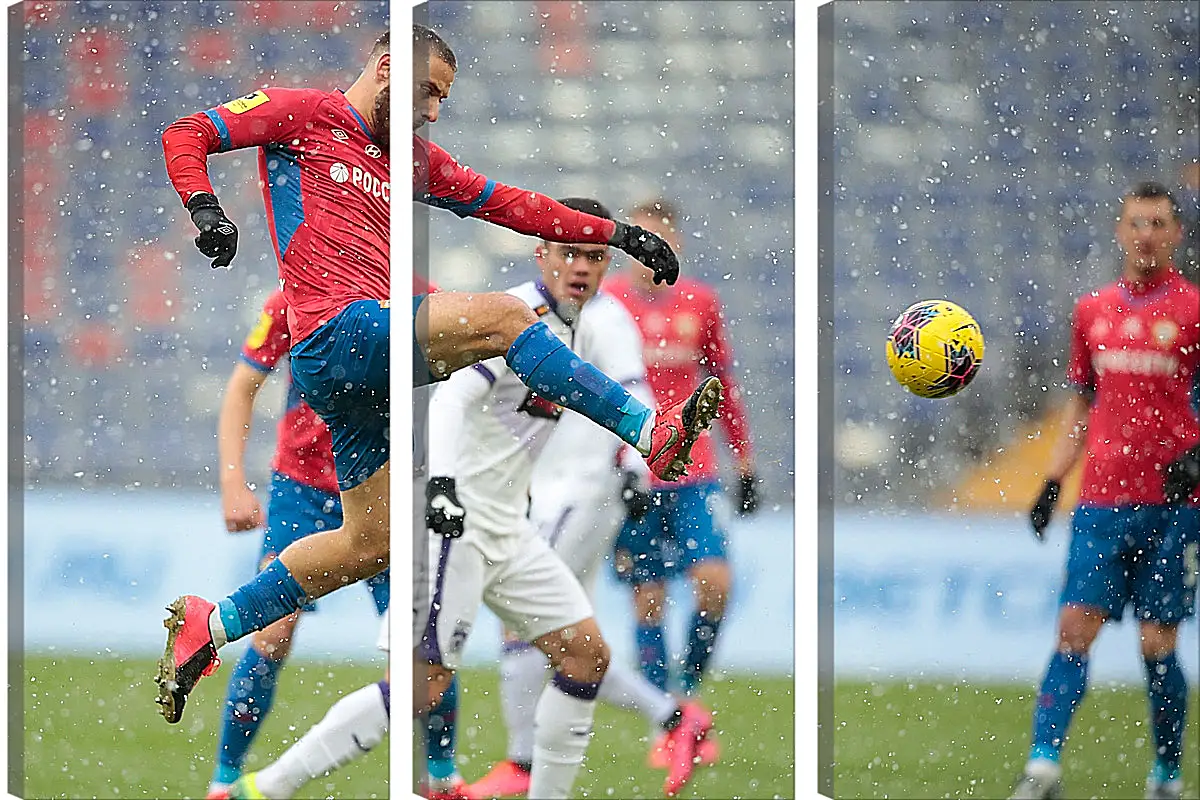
x: 92, y: 730
x: 959, y: 740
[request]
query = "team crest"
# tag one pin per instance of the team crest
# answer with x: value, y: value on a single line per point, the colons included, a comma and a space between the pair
x: 687, y: 325
x: 1133, y: 329
x: 244, y: 104
x: 1165, y: 333
x: 1099, y: 329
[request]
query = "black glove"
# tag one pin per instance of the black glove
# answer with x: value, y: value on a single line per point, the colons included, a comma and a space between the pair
x: 218, y: 236
x: 635, y: 495
x: 443, y: 513
x: 1182, y: 477
x: 1043, y: 509
x: 649, y: 249
x: 748, y: 497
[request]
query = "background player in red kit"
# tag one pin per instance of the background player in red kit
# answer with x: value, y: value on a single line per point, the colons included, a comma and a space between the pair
x: 1134, y: 365
x: 325, y: 177
x: 303, y: 500
x: 684, y: 530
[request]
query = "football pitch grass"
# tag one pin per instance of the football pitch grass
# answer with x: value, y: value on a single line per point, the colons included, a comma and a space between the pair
x: 92, y: 730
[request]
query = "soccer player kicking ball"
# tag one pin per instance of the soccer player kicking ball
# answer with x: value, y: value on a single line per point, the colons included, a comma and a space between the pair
x: 576, y: 495
x: 1135, y: 358
x: 304, y: 499
x: 325, y: 177
x: 351, y: 728
x: 685, y: 529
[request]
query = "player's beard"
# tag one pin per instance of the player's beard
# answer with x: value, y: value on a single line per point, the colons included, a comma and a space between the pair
x: 381, y: 117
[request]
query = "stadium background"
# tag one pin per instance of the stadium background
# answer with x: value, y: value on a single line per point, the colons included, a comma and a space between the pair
x: 129, y: 337
x: 979, y: 153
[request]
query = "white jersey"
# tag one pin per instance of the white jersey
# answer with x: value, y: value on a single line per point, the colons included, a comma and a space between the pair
x: 500, y: 427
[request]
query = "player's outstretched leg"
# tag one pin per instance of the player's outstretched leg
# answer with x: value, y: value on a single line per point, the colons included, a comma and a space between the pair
x: 455, y: 330
x: 248, y: 701
x: 351, y: 728
x: 306, y: 570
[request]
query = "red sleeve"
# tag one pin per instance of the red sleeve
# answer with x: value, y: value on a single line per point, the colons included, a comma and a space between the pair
x: 268, y: 341
x: 441, y: 181
x: 1079, y: 364
x: 263, y: 117
x: 720, y: 363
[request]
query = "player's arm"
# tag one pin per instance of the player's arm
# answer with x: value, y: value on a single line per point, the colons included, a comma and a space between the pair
x: 468, y: 194
x: 264, y: 117
x: 718, y: 359
x: 448, y: 407
x: 239, y: 504
x: 1073, y: 424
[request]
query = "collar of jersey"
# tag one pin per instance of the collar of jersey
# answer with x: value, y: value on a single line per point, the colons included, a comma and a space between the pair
x: 362, y: 123
x: 1148, y: 289
x: 550, y: 301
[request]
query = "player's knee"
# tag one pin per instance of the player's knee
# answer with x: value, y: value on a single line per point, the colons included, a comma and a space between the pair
x: 1158, y: 641
x: 508, y: 316
x: 649, y: 599
x: 1077, y: 628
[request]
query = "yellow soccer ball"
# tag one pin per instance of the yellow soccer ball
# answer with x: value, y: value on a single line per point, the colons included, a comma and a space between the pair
x: 935, y: 348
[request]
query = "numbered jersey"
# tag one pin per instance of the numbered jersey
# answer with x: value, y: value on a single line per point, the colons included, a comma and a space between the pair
x: 303, y: 447
x: 503, y: 434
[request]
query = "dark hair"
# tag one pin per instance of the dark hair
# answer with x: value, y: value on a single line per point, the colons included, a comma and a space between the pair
x: 1153, y: 190
x: 425, y: 37
x: 660, y: 209
x: 382, y: 45
x: 587, y: 206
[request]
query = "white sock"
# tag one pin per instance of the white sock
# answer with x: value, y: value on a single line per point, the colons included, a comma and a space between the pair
x: 563, y: 728
x: 217, y: 628
x: 644, y: 437
x: 523, y: 672
x: 624, y: 688
x: 350, y: 729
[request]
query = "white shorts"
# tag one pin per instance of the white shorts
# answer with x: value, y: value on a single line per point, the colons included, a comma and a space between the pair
x: 532, y: 592
x: 581, y: 528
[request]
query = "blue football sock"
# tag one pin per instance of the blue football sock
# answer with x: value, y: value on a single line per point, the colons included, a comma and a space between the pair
x: 652, y: 654
x: 248, y: 700
x: 442, y: 734
x: 556, y: 373
x: 1062, y: 691
x: 1168, y: 690
x: 701, y: 642
x: 270, y: 596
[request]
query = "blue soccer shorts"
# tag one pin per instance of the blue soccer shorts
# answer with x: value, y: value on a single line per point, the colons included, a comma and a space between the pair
x: 296, y: 510
x: 342, y: 372
x: 1140, y: 555
x: 685, y: 525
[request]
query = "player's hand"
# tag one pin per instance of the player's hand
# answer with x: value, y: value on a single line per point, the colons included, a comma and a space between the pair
x: 443, y: 513
x: 648, y: 248
x: 241, y: 508
x: 748, y: 495
x: 218, y: 236
x: 635, y: 494
x: 1182, y: 477
x: 1043, y: 509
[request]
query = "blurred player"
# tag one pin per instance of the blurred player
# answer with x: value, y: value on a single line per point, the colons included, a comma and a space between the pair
x: 351, y: 728
x: 1135, y: 358
x: 326, y: 182
x: 304, y: 499
x: 577, y: 493
x: 685, y: 527
x: 489, y: 428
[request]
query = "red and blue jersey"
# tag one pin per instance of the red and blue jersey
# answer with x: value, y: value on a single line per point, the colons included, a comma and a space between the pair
x: 1137, y: 349
x: 304, y: 448
x: 326, y: 185
x: 439, y: 180
x: 683, y: 338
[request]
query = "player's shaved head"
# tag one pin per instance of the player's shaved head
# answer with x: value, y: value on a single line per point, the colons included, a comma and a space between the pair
x: 1153, y: 190
x: 382, y: 45
x: 662, y: 211
x: 426, y: 41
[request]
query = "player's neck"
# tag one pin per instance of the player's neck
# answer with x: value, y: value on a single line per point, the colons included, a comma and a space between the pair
x: 1139, y: 281
x: 360, y: 96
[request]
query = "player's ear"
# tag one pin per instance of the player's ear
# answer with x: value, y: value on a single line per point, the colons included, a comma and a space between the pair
x: 539, y: 252
x: 383, y: 68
